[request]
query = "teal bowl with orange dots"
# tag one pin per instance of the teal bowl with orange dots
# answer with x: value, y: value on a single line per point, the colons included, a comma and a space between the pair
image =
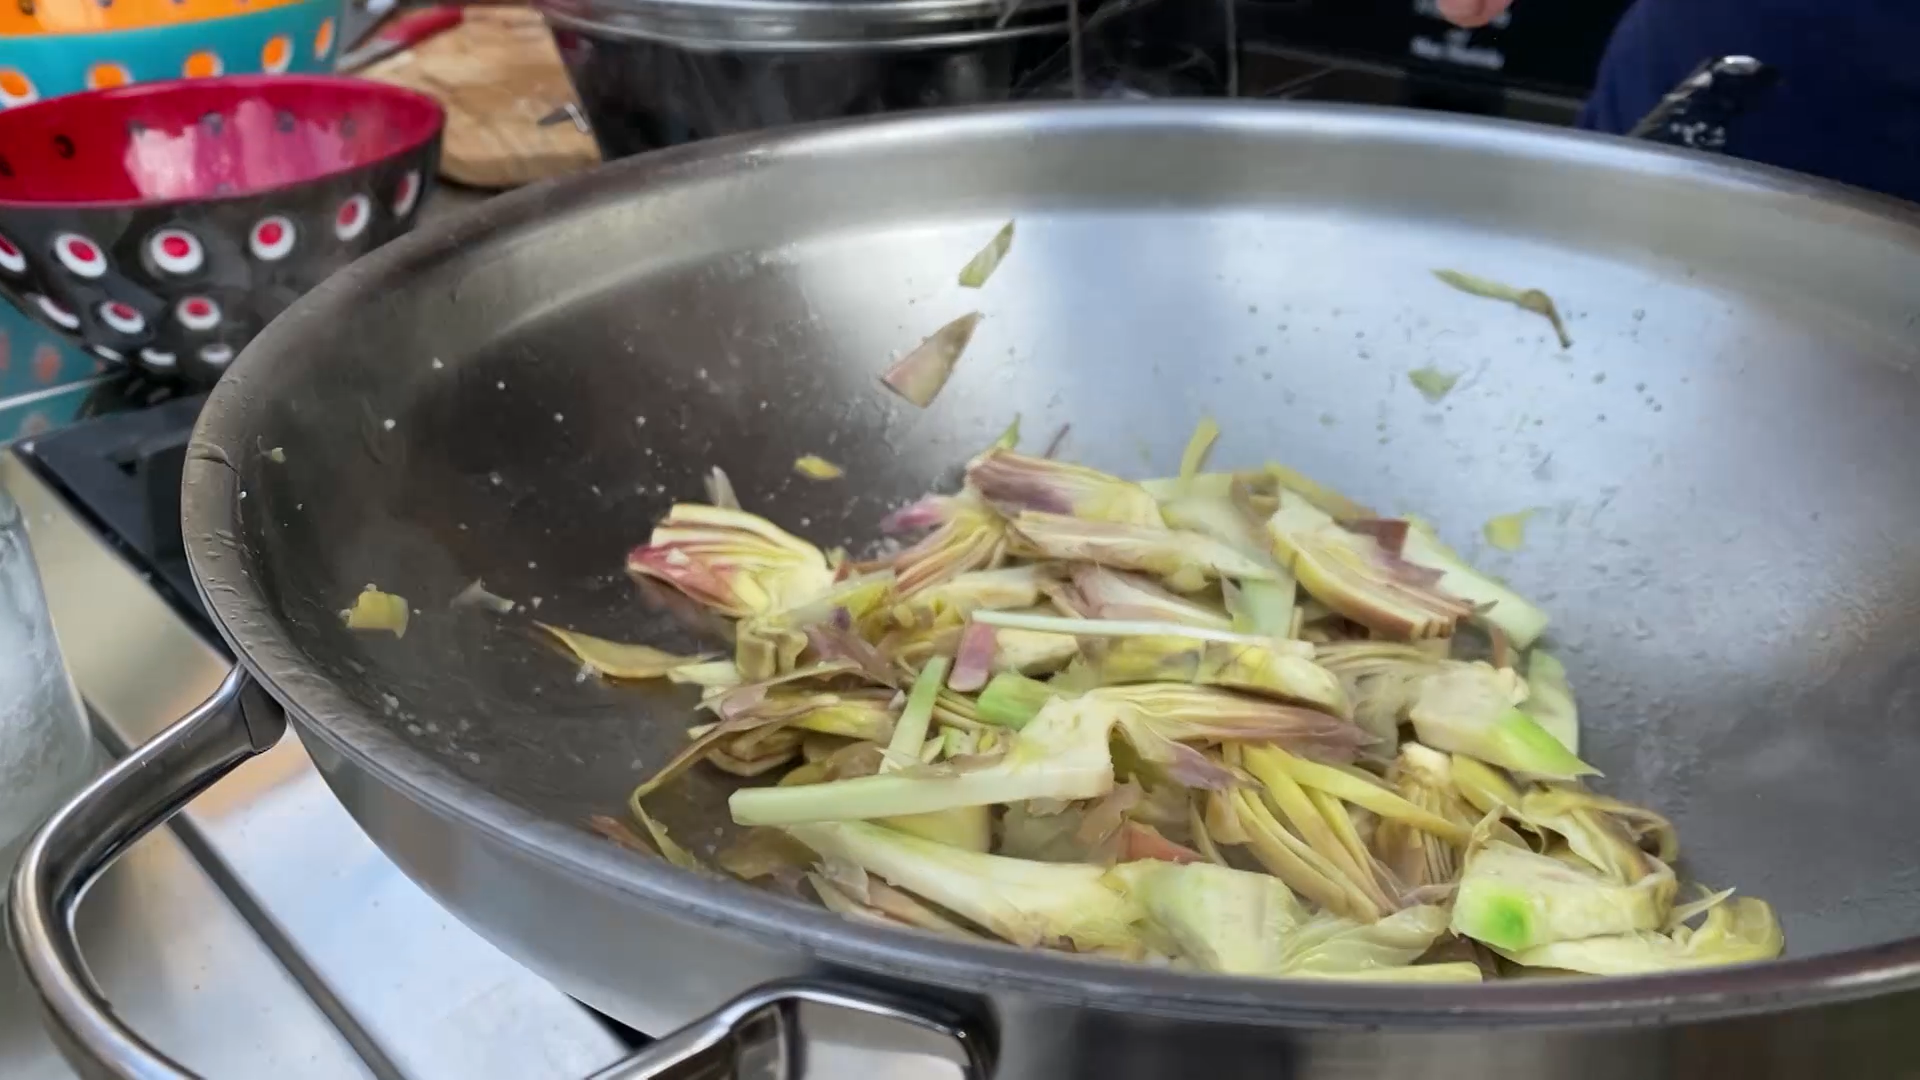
x: 54, y: 47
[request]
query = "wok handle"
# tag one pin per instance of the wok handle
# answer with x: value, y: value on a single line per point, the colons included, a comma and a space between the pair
x: 240, y: 720
x: 1695, y: 113
x: 763, y: 1025
x: 83, y: 838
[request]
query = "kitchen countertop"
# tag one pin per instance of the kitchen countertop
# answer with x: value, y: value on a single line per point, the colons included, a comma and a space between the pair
x: 183, y: 967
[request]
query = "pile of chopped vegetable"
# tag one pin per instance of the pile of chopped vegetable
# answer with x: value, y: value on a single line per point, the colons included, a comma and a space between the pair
x: 1232, y: 722
x: 1227, y: 721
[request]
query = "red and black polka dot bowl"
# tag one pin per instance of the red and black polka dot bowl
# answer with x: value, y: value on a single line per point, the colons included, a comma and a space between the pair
x: 163, y: 225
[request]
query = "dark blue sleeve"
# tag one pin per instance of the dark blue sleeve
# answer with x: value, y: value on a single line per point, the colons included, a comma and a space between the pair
x: 1848, y: 103
x: 1633, y: 74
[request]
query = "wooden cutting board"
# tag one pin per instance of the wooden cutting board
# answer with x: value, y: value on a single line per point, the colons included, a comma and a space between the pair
x: 497, y: 73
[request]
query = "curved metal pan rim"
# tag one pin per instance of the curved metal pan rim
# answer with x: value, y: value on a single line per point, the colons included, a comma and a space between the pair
x: 210, y: 506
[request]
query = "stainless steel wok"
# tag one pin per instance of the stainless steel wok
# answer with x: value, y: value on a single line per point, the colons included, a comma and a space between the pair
x: 1726, y: 462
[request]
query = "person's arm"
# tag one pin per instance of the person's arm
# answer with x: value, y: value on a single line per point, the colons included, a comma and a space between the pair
x: 1472, y: 12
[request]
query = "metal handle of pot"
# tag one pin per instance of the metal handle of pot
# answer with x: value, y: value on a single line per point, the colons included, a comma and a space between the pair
x: 83, y: 838
x: 763, y: 1025
x: 1696, y: 112
x: 240, y: 720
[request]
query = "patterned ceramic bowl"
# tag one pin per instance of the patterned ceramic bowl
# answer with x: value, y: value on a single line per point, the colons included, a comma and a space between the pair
x: 163, y: 225
x: 54, y: 47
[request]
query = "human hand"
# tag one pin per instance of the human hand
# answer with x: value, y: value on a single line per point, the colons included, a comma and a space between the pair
x: 1472, y: 12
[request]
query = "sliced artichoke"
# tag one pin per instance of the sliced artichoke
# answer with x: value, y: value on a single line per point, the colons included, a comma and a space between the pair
x: 1351, y: 574
x: 1550, y: 699
x: 1014, y: 482
x: 733, y: 562
x: 1027, y: 903
x: 1474, y: 709
x: 966, y: 535
x: 1741, y: 931
x: 1491, y: 602
x: 620, y: 660
x: 1265, y: 669
x: 1185, y: 561
x: 1514, y: 900
x: 1418, y: 857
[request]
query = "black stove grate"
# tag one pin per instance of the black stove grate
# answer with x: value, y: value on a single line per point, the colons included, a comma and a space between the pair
x: 121, y: 470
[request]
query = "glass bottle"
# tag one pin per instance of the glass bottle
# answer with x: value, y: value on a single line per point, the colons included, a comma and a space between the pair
x: 46, y: 749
